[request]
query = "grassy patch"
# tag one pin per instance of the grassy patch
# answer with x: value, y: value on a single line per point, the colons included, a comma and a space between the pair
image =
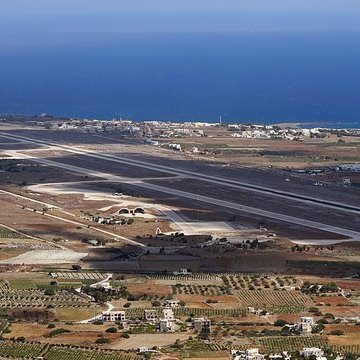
x: 19, y: 284
x: 76, y: 314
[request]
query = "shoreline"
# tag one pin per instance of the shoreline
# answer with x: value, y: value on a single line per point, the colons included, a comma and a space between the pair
x: 291, y: 124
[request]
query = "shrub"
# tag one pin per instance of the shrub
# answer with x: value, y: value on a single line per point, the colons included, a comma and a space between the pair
x: 111, y: 330
x: 337, y: 332
x: 49, y: 292
x: 102, y: 340
x: 57, y: 332
x: 280, y: 322
x: 98, y: 322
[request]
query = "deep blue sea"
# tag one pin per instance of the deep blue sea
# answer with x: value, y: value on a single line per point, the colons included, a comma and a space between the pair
x: 246, y: 77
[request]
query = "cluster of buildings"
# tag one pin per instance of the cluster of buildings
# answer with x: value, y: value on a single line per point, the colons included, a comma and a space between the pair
x: 124, y: 127
x: 254, y: 354
x: 272, y: 132
x: 166, y: 322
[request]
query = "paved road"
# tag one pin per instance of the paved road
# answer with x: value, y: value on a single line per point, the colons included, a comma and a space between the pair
x: 205, y: 199
x: 190, y: 174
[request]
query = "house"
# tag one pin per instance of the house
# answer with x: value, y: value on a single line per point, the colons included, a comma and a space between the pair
x: 150, y: 315
x: 312, y: 351
x: 171, y: 303
x: 199, y: 324
x: 113, y: 316
x: 167, y: 323
x: 250, y: 354
x: 306, y: 324
x: 168, y: 314
x: 182, y: 272
x: 143, y: 349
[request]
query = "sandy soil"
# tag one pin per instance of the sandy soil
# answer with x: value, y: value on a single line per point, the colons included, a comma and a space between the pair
x: 148, y: 340
x: 46, y: 257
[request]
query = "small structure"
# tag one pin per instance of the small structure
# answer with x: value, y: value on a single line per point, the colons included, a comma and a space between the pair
x: 167, y: 323
x: 182, y: 272
x: 306, y: 324
x: 199, y: 324
x: 93, y: 242
x: 139, y: 210
x: 113, y: 316
x: 250, y: 354
x: 312, y: 351
x: 143, y: 349
x: 124, y: 211
x: 150, y: 315
x: 172, y: 303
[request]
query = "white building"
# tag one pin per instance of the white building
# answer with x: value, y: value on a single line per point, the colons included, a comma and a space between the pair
x: 199, y: 324
x: 312, y: 351
x: 150, y: 315
x: 113, y: 316
x: 250, y: 354
x: 306, y: 324
x: 143, y: 349
x: 182, y: 272
x: 171, y: 303
x: 167, y: 323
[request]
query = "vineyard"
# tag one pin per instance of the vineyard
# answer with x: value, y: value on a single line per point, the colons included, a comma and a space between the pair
x: 209, y: 290
x: 37, y: 298
x: 64, y: 353
x: 20, y: 349
x: 8, y: 234
x: 236, y: 281
x: 259, y: 281
x: 272, y: 298
x: 346, y: 349
x: 198, y: 312
x: 291, y: 343
x: 136, y: 313
x: 16, y: 349
x: 80, y: 275
x: 197, y: 277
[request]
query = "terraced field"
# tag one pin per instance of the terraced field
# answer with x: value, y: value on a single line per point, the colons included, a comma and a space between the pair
x: 28, y: 350
x: 291, y: 343
x: 63, y: 353
x: 273, y: 298
x: 133, y: 313
x: 13, y: 349
x: 10, y: 298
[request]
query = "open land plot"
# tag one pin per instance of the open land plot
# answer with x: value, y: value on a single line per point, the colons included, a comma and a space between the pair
x: 148, y: 340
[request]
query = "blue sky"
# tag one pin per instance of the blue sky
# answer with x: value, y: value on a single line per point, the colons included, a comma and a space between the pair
x: 31, y: 7
x: 39, y: 22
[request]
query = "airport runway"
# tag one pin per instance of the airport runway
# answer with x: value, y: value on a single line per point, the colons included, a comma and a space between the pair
x: 181, y: 193
x: 191, y: 174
